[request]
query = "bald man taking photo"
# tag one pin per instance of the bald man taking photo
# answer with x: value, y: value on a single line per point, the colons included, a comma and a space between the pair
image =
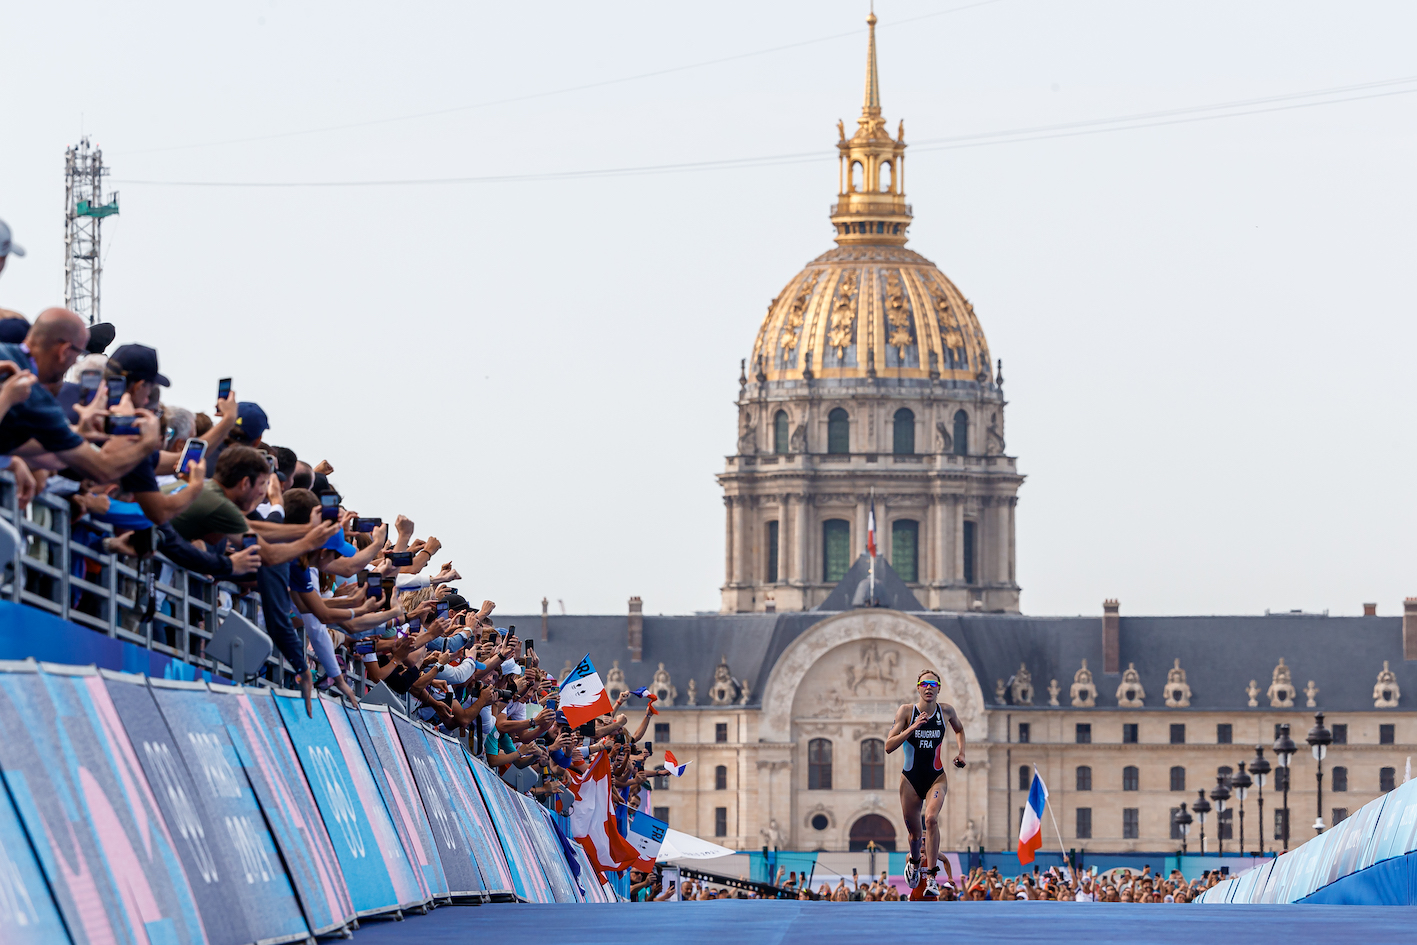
x: 37, y: 429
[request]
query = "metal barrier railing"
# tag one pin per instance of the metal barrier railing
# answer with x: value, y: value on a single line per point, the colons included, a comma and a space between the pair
x: 106, y: 592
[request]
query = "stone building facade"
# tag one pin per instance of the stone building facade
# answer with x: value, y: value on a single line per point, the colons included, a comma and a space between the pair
x: 782, y: 716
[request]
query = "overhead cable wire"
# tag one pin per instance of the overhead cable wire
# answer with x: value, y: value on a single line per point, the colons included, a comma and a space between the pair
x: 1013, y: 136
x: 550, y: 92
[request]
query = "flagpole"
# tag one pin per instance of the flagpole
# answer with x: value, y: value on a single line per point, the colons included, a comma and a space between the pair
x: 872, y: 551
x: 1049, y: 804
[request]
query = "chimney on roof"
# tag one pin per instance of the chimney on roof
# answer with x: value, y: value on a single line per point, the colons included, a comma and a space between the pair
x: 545, y: 630
x: 636, y: 627
x: 1111, y: 647
x: 1409, y: 628
x: 1370, y: 610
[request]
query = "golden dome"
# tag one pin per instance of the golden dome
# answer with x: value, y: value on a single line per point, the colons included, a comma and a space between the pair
x: 871, y: 308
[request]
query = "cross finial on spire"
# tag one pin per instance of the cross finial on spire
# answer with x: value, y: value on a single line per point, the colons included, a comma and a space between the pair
x: 872, y: 106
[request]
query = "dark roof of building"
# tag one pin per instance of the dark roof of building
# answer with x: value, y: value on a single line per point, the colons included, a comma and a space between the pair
x: 1343, y: 655
x: 857, y: 589
x: 1220, y: 654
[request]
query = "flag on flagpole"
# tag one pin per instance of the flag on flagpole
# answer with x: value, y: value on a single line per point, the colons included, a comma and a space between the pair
x: 871, y: 529
x: 672, y: 763
x: 646, y: 835
x: 593, y: 820
x: 583, y: 695
x: 1030, y: 830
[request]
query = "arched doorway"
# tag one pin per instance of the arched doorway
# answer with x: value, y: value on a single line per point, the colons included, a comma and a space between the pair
x: 872, y: 827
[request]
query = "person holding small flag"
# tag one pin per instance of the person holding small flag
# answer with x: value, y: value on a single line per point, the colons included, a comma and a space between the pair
x: 920, y: 728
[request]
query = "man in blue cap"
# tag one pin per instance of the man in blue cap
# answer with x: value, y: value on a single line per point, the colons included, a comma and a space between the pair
x: 137, y: 364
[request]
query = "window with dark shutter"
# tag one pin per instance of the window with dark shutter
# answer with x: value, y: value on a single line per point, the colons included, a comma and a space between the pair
x: 1084, y: 823
x: 771, y: 550
x: 873, y: 764
x: 1340, y: 778
x: 1131, y: 823
x: 1083, y: 733
x: 1178, y: 778
x: 1131, y: 777
x: 1084, y: 778
x: 838, y: 431
x: 903, y: 432
x: 905, y: 549
x: 819, y: 764
x: 720, y: 821
x: 836, y: 549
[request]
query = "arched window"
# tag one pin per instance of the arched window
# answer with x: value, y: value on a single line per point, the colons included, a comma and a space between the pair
x: 855, y: 176
x: 1178, y: 778
x: 887, y: 173
x: 904, y: 432
x: 720, y: 778
x: 819, y: 764
x: 836, y: 549
x: 1084, y: 781
x: 905, y: 545
x: 780, y: 437
x: 838, y: 431
x: 873, y: 764
x: 1130, y: 778
x: 961, y: 433
x: 873, y: 828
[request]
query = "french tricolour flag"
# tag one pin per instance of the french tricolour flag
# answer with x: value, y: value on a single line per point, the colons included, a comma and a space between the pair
x: 1030, y: 831
x: 646, y: 835
x: 583, y: 695
x: 871, y: 529
x: 672, y: 763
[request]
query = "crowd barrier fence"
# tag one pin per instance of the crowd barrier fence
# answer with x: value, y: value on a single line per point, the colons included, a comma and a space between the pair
x: 1368, y: 859
x: 59, y: 574
x: 146, y: 810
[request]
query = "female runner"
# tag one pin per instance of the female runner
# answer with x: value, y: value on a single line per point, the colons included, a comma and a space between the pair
x: 921, y: 729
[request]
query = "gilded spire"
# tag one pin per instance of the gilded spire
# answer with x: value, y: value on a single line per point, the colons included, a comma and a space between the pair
x: 871, y: 205
x: 872, y: 105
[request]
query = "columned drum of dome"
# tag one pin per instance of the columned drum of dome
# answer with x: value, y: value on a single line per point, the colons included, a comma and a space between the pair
x: 868, y: 336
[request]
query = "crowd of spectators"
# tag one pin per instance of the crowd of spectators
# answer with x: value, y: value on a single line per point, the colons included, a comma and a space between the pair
x: 980, y: 885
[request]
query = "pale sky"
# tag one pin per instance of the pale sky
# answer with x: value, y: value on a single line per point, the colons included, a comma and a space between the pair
x: 1206, y: 326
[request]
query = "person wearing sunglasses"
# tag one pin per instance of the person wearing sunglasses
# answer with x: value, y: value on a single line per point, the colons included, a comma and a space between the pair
x: 921, y: 729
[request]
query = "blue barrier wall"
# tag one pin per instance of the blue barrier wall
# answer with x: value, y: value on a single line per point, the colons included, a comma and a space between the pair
x: 1365, y: 859
x: 139, y: 810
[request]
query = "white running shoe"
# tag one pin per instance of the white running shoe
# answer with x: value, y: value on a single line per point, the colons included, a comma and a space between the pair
x: 932, y: 888
x: 912, y: 872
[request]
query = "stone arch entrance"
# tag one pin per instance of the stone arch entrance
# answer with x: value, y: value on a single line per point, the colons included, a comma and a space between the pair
x: 873, y: 828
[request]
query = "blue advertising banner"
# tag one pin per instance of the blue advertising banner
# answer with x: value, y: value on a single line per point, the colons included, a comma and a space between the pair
x: 401, y: 801
x: 472, y: 860
x: 531, y: 882
x: 229, y: 913
x: 27, y: 913
x: 355, y: 842
x: 87, y: 808
x: 548, y: 849
x: 257, y: 733
x: 245, y: 864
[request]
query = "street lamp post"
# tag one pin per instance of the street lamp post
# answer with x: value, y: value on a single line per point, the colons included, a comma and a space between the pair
x: 1201, y: 807
x: 1241, y: 782
x: 1259, y: 767
x: 1284, y: 749
x: 1319, y: 738
x: 1220, y: 794
x: 1182, y: 820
